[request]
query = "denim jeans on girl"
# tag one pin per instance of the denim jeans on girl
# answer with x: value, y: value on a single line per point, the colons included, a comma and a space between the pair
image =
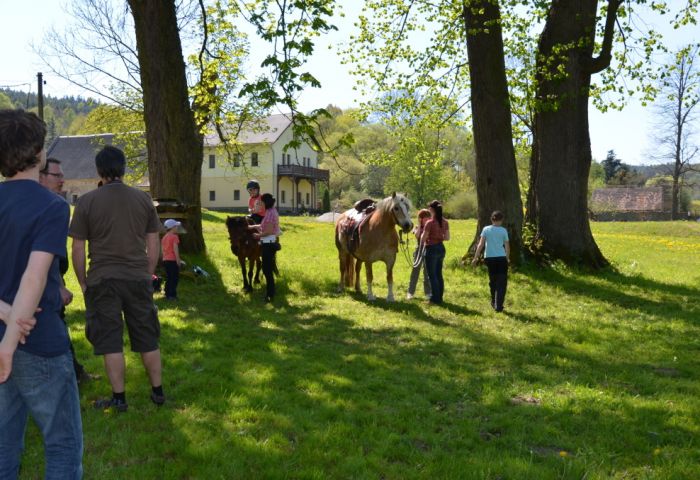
x: 46, y: 389
x: 434, y: 257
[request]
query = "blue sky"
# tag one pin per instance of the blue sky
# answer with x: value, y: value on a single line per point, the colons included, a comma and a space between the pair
x: 24, y: 22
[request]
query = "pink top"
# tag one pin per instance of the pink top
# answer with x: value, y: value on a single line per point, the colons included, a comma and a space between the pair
x: 433, y: 234
x: 168, y: 243
x: 270, y: 224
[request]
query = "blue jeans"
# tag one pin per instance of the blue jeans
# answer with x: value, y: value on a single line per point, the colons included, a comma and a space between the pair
x: 46, y: 389
x: 434, y: 257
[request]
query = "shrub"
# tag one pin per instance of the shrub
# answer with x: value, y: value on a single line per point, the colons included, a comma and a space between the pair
x: 461, y: 205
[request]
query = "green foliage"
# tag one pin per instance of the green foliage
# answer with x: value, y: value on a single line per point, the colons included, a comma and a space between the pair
x: 218, y: 103
x: 611, y: 165
x: 596, y: 177
x: 462, y: 204
x: 326, y: 200
x: 5, y: 102
x: 61, y: 114
x: 584, y: 376
x: 129, y: 134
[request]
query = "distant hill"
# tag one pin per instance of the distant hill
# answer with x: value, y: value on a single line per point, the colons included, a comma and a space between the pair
x: 63, y: 115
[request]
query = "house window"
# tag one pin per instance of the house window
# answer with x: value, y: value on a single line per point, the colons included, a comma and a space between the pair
x: 254, y: 159
x: 298, y: 198
x: 289, y: 159
x: 236, y: 194
x: 237, y: 160
x: 308, y: 199
x: 284, y: 196
x: 212, y: 195
x: 212, y: 161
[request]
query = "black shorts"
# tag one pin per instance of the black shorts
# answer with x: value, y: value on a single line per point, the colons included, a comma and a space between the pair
x: 104, y: 327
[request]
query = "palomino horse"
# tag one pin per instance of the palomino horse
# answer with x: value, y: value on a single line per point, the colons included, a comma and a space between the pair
x: 245, y: 246
x: 378, y: 241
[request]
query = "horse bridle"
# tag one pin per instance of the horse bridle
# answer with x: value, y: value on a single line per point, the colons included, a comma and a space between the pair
x: 403, y: 242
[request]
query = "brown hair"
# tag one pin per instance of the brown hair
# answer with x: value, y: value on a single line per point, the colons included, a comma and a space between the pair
x: 423, y: 213
x: 437, y: 206
x: 49, y: 161
x: 22, y: 137
x: 497, y: 216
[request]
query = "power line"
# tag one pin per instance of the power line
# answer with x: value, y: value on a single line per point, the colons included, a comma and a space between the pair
x: 16, y: 85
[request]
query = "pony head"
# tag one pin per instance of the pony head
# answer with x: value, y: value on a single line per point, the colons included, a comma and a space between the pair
x: 400, y: 208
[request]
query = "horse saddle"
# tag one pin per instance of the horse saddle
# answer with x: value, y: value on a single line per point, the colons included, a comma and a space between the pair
x: 355, y: 219
x: 366, y: 205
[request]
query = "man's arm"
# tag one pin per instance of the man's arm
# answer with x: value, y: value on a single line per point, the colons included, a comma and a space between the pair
x: 25, y: 325
x: 153, y: 251
x: 30, y: 290
x: 78, y: 257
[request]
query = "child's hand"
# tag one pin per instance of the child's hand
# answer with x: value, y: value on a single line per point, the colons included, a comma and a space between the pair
x: 475, y: 262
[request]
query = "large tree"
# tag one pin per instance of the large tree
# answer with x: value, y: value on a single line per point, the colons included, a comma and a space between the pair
x: 497, y: 185
x: 174, y: 142
x: 561, y: 154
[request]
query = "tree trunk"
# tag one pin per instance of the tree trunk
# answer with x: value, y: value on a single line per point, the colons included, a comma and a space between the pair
x: 562, y: 148
x: 497, y: 185
x: 174, y: 143
x: 676, y: 195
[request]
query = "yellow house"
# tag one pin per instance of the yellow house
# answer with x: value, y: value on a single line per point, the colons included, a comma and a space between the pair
x: 292, y: 176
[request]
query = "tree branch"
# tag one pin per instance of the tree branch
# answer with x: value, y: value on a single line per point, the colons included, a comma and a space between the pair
x: 602, y: 61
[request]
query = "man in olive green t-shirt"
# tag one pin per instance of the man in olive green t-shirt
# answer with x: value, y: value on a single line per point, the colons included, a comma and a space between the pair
x: 121, y: 227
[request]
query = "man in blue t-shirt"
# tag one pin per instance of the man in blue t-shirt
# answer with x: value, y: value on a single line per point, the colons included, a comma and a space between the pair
x: 495, y: 239
x: 36, y: 374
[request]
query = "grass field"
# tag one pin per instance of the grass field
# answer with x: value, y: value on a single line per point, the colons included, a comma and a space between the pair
x: 585, y: 376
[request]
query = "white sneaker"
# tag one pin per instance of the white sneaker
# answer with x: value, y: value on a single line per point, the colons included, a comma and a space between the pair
x: 409, y: 296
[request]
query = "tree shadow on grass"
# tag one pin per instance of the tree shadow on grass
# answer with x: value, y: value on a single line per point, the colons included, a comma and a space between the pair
x: 629, y: 292
x: 256, y: 390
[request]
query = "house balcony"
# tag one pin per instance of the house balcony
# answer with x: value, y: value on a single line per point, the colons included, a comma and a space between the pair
x: 298, y: 171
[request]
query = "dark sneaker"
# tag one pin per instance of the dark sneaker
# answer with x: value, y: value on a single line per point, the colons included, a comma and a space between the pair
x: 110, y: 404
x: 157, y: 399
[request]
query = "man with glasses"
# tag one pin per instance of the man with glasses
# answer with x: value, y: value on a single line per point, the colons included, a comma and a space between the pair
x: 51, y: 177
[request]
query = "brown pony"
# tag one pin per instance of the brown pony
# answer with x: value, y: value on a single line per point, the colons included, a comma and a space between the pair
x: 378, y: 241
x: 245, y: 246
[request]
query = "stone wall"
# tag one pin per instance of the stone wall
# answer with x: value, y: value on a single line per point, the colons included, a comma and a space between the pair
x: 631, y: 203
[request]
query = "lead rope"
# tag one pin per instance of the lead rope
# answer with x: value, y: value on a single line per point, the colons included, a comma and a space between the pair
x: 404, y: 247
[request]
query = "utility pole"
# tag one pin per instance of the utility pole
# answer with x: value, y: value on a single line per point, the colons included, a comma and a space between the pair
x: 40, y: 94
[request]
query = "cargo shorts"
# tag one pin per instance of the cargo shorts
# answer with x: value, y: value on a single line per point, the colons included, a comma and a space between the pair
x: 104, y: 326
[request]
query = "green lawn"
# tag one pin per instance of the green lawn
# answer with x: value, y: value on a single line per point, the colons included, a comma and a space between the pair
x: 585, y: 376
